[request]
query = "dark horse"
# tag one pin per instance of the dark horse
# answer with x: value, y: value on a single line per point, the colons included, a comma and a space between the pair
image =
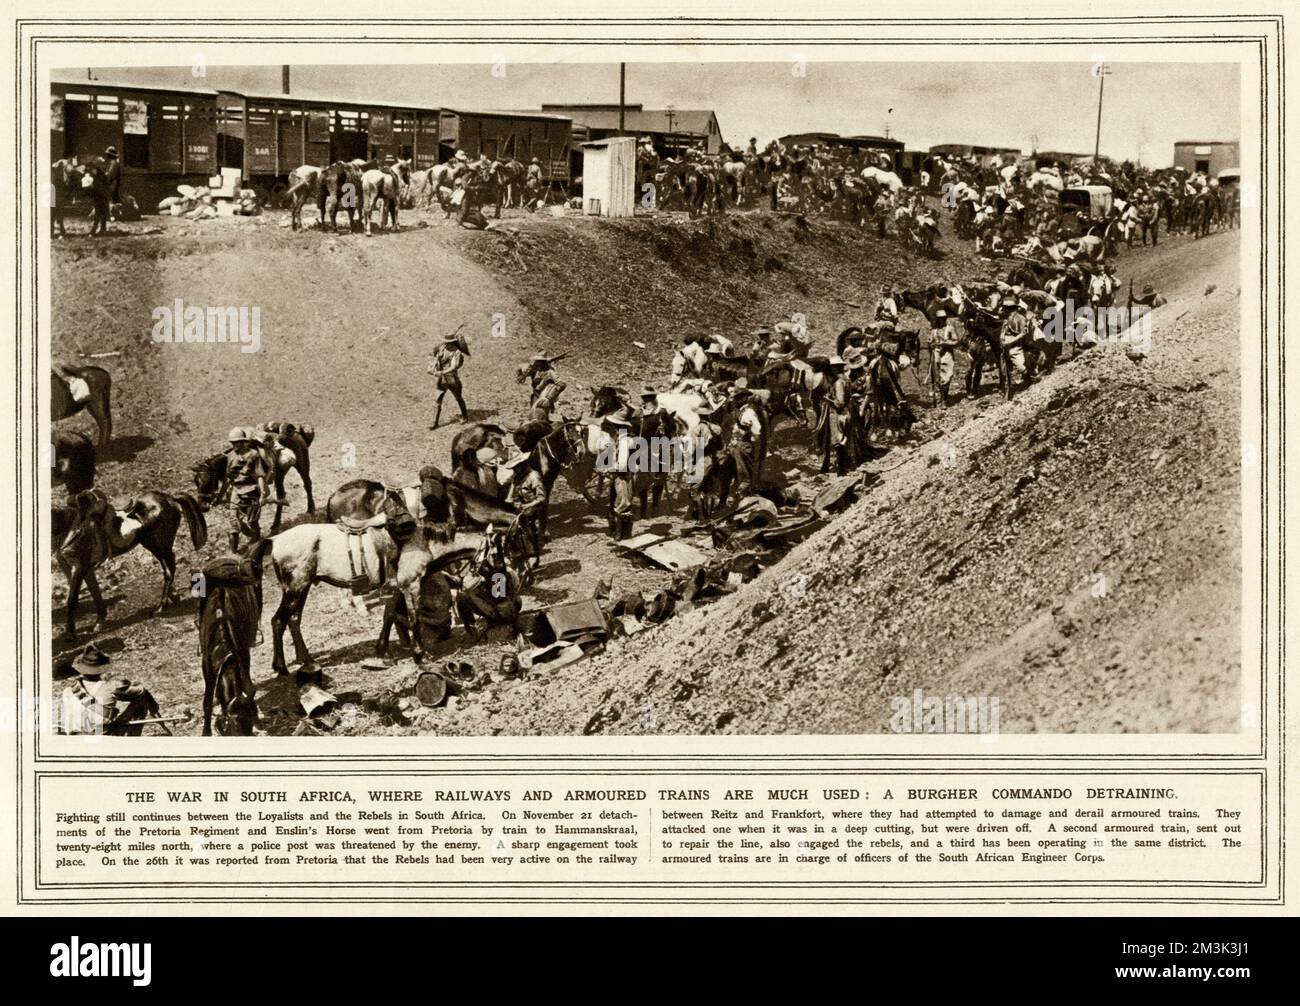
x: 70, y: 178
x: 211, y: 478
x: 62, y: 404
x: 340, y: 185
x: 90, y: 531
x: 230, y: 607
x: 74, y: 461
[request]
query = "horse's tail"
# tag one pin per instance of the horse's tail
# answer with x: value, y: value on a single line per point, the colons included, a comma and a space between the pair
x: 308, y: 433
x: 193, y: 514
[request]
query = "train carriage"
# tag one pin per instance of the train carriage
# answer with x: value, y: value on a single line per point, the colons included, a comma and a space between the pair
x: 168, y: 137
x: 164, y: 137
x: 505, y: 135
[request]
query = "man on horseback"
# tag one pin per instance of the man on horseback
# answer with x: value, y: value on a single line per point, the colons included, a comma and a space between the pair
x: 246, y: 473
x: 446, y: 367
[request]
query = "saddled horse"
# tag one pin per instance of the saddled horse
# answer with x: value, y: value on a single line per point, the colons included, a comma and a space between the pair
x: 63, y: 405
x: 362, y: 556
x: 383, y: 187
x: 91, y: 531
x: 230, y: 608
x: 478, y: 436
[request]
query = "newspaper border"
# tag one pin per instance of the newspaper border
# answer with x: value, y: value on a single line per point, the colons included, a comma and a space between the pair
x: 33, y: 605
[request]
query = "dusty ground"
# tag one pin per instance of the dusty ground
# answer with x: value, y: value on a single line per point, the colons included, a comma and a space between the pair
x: 972, y: 576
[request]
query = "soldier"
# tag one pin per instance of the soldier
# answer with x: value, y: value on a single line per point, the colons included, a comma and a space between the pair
x: 540, y: 372
x: 613, y: 450
x: 1016, y: 331
x: 887, y: 307
x: 446, y: 367
x: 748, y: 443
x: 691, y: 361
x: 527, y: 491
x: 533, y: 184
x: 113, y: 174
x: 246, y: 472
x: 547, y: 388
x: 942, y: 342
x: 1149, y: 218
x: 656, y: 426
x: 859, y: 411
x: 831, y: 422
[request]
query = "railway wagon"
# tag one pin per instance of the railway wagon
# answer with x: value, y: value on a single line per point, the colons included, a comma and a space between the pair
x: 503, y: 135
x: 163, y: 137
x: 267, y: 136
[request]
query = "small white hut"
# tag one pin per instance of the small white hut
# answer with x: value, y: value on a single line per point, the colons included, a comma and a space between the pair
x: 609, y: 177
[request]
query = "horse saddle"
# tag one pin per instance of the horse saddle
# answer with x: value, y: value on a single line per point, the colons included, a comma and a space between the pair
x: 360, y: 525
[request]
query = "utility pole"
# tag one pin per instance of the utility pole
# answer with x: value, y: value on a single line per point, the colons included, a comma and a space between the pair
x: 622, y: 96
x: 284, y: 78
x: 672, y: 116
x: 1100, y: 70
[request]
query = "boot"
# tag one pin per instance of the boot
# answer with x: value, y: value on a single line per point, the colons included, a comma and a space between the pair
x: 234, y: 541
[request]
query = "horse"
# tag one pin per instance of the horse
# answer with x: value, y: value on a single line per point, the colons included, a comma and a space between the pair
x: 362, y: 556
x: 74, y: 461
x: 340, y: 185
x: 65, y: 183
x: 91, y: 531
x: 383, y: 186
x: 437, y: 178
x: 304, y: 186
x: 478, y: 436
x: 288, y: 450
x: 63, y: 405
x: 230, y: 608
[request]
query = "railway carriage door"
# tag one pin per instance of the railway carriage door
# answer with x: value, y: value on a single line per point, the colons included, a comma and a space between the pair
x: 92, y: 122
x: 260, y: 145
x: 426, y: 141
x: 318, y: 138
x: 199, y: 132
x: 289, y: 139
x: 380, y: 133
x: 230, y: 133
x: 165, y: 147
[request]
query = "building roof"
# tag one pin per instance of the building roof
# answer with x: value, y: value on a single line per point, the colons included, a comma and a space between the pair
x: 636, y: 119
x: 1205, y: 143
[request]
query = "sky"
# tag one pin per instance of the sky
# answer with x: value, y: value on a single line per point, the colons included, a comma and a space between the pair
x: 1044, y: 106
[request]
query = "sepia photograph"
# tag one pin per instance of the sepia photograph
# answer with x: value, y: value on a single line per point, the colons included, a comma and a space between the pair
x: 777, y: 396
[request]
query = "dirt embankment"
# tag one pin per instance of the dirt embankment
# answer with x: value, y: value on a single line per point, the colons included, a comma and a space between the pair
x: 919, y: 585
x: 1075, y: 554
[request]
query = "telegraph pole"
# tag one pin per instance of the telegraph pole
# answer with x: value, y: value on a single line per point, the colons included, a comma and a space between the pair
x: 1100, y: 70
x: 622, y: 96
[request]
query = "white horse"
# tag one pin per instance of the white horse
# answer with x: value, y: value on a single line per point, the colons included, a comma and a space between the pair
x: 304, y: 185
x: 325, y: 553
x: 384, y: 186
